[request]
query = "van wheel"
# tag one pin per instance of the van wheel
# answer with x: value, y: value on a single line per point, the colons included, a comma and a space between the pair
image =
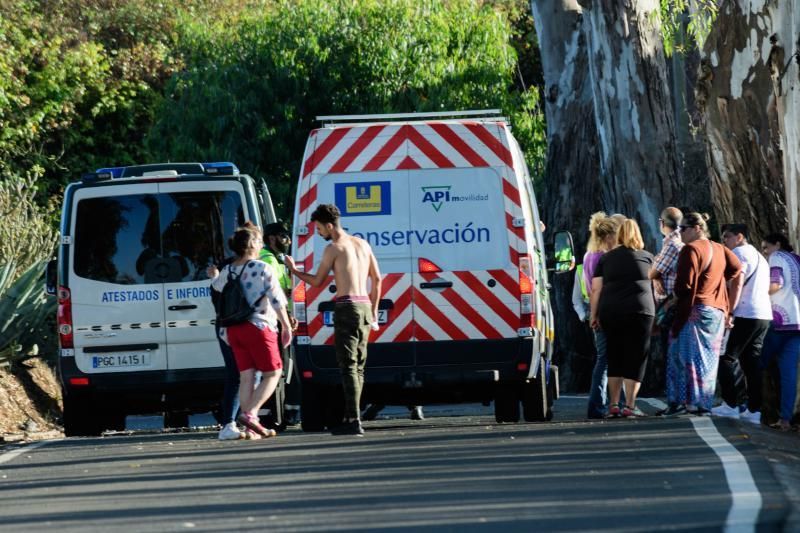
x: 506, y: 402
x: 176, y: 419
x: 79, y: 420
x: 112, y: 421
x: 312, y: 408
x: 535, y: 401
x: 553, y: 391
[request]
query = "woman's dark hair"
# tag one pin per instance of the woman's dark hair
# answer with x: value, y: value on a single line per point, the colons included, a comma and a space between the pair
x: 779, y: 238
x: 696, y: 219
x: 244, y: 238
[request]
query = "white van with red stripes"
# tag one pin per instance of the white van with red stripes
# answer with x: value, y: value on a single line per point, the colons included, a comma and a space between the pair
x: 446, y: 202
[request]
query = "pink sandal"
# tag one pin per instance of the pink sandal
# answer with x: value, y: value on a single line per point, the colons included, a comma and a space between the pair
x: 251, y: 422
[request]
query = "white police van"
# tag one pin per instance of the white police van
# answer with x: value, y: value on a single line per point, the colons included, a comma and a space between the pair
x: 135, y: 317
x: 446, y: 202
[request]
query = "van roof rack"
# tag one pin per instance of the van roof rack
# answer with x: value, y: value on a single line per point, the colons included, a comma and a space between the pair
x: 493, y: 114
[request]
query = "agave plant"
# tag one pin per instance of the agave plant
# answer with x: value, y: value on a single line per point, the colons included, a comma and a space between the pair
x: 24, y: 311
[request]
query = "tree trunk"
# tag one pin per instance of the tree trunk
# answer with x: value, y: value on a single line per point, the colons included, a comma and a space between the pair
x: 572, y: 175
x: 611, y: 141
x: 749, y: 88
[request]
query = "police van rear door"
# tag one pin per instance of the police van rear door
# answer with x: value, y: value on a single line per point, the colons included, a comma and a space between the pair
x: 466, y: 285
x: 196, y: 219
x: 117, y: 297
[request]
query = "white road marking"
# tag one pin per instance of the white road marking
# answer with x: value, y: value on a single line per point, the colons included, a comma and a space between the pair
x: 743, y: 514
x: 8, y: 456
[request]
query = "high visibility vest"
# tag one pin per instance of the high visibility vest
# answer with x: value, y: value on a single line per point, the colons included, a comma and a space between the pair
x: 584, y: 292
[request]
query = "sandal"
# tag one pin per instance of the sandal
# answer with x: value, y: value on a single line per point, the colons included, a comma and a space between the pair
x: 251, y: 422
x: 781, y: 425
x: 613, y: 411
x: 632, y: 412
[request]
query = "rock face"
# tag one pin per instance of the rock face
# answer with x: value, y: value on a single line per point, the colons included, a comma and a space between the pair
x: 749, y: 89
x: 30, y: 400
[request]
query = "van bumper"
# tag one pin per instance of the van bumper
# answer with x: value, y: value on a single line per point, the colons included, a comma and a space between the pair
x: 194, y: 390
x: 426, y: 372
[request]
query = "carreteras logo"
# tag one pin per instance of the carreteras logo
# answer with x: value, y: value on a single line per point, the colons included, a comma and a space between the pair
x: 436, y: 195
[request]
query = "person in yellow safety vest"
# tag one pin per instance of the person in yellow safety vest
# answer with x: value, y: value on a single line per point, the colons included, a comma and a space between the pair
x: 580, y: 296
x: 277, y: 241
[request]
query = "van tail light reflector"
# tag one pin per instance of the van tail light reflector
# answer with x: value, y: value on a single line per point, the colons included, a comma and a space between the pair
x: 64, y: 318
x: 79, y: 382
x: 427, y: 266
x: 299, y: 309
x: 526, y: 291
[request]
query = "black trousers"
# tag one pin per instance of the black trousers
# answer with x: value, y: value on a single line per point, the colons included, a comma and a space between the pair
x: 627, y: 344
x: 739, y: 373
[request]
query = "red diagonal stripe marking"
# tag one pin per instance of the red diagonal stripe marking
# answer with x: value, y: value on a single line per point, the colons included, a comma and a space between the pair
x: 492, y: 143
x: 511, y: 192
x: 519, y: 232
x: 430, y: 151
x: 356, y: 148
x: 400, y: 305
x: 406, y: 333
x: 468, y: 312
x: 389, y: 281
x: 312, y: 293
x: 447, y: 133
x: 421, y: 334
x: 302, y: 239
x: 323, y: 149
x: 488, y: 297
x: 315, y: 325
x: 308, y: 198
x: 506, y: 280
x: 408, y: 164
x: 514, y: 254
x: 426, y: 306
x: 387, y: 150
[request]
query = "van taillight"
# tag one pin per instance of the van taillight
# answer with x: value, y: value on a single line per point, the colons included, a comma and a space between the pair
x: 526, y: 287
x: 299, y: 308
x: 426, y: 265
x: 64, y: 318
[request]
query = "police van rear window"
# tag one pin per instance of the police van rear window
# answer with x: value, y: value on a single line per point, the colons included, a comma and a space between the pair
x: 153, y: 238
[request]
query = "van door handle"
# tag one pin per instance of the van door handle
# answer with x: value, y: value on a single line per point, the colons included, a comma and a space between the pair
x: 181, y: 307
x: 436, y: 285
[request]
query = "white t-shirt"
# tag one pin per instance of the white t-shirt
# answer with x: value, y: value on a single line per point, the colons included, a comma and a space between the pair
x: 258, y: 279
x: 785, y: 271
x: 754, y: 301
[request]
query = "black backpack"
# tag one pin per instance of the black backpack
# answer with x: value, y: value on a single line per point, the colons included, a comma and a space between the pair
x: 233, y: 307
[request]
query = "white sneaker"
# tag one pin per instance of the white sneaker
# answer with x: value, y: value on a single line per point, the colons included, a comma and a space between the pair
x: 753, y: 418
x: 725, y: 410
x: 230, y: 432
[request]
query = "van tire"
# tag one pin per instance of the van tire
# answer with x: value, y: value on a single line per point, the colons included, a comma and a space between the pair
x: 506, y: 402
x: 535, y: 402
x: 312, y: 408
x: 553, y: 390
x: 79, y: 421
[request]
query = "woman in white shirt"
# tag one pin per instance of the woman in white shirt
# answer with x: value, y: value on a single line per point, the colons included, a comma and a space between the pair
x: 255, y: 341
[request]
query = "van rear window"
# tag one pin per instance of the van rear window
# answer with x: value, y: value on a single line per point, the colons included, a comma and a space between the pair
x: 153, y: 238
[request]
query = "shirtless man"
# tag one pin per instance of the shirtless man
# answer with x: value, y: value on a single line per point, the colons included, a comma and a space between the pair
x: 356, y: 309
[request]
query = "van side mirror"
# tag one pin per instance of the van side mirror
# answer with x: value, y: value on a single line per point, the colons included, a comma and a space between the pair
x: 51, y: 277
x: 563, y: 259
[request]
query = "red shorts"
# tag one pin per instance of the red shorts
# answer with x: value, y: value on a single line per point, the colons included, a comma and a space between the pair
x: 254, y: 348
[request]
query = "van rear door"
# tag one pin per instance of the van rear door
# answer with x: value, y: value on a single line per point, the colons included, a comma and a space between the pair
x: 374, y: 206
x: 113, y: 277
x: 466, y: 286
x: 196, y: 217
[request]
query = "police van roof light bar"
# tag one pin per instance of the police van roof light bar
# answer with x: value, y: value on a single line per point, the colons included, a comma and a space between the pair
x: 220, y: 169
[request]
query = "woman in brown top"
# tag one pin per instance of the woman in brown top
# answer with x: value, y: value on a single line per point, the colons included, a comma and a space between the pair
x: 702, y: 308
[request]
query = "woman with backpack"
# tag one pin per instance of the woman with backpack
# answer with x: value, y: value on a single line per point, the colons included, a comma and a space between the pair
x: 251, y: 306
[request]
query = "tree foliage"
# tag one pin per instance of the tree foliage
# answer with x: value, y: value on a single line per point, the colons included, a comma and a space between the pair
x: 252, y: 88
x: 681, y: 19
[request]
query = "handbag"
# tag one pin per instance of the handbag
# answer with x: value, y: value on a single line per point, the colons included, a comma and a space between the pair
x: 665, y: 314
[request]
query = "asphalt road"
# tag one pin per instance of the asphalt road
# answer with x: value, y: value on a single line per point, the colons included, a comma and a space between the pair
x: 457, y: 470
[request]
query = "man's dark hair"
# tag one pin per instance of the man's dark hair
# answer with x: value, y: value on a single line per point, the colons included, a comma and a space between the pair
x: 736, y: 229
x: 671, y: 217
x: 276, y: 228
x: 326, y: 214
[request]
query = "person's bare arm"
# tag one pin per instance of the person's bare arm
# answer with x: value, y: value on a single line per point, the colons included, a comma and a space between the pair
x: 653, y: 273
x: 315, y: 280
x: 375, y: 290
x: 594, y: 300
x: 774, y: 287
